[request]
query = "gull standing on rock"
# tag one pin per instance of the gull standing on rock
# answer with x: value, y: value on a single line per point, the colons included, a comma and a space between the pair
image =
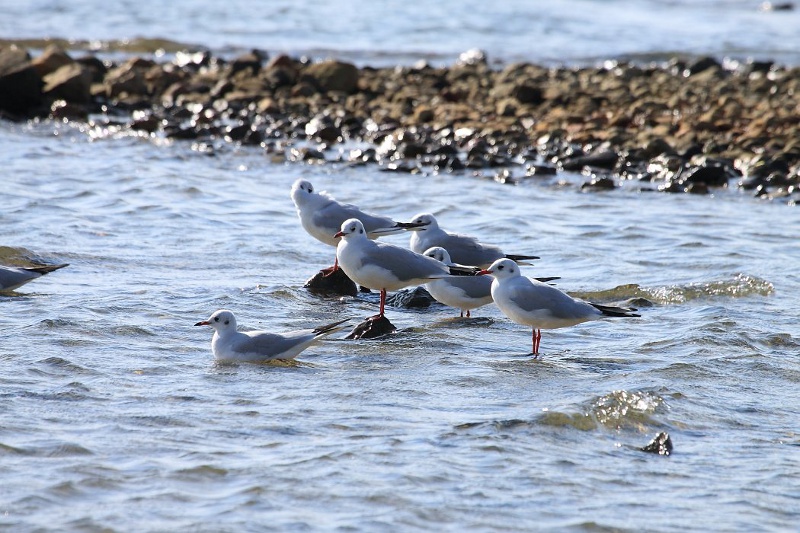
x: 231, y: 346
x: 382, y: 266
x: 14, y: 277
x: 322, y: 216
x: 539, y: 305
x: 463, y: 249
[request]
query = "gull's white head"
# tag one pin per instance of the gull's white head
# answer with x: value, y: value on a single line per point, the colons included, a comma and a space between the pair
x: 427, y: 220
x: 438, y: 253
x: 222, y: 320
x: 301, y: 190
x: 502, y: 269
x: 352, y: 228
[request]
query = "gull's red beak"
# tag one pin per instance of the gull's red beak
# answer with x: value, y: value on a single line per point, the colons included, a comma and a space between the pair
x: 338, y: 234
x: 203, y: 323
x: 484, y: 272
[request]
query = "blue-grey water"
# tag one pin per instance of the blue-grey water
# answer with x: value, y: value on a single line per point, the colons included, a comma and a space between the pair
x: 114, y: 416
x: 379, y: 32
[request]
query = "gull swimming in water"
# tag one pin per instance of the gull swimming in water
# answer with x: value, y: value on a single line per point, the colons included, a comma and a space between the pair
x: 539, y: 305
x: 463, y: 249
x: 230, y: 345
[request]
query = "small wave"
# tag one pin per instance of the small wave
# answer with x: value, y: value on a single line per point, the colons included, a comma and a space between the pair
x: 739, y: 286
x: 620, y: 409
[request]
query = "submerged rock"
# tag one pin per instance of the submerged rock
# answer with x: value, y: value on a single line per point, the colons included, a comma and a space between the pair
x: 661, y: 445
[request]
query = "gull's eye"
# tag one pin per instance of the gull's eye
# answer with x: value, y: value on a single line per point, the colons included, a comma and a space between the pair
x: 500, y: 267
x: 216, y: 319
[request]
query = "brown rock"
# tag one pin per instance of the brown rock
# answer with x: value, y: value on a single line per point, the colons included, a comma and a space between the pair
x: 334, y: 76
x: 53, y: 58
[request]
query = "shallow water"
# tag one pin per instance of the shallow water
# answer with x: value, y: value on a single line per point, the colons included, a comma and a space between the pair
x: 390, y: 33
x: 113, y: 415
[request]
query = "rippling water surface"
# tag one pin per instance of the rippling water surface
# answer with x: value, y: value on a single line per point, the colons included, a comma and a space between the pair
x: 114, y: 417
x: 380, y: 33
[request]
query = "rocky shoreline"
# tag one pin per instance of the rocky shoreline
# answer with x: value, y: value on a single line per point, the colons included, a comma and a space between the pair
x: 677, y: 126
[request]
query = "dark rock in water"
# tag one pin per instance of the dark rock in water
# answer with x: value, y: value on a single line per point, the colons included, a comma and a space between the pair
x: 711, y: 175
x: 603, y: 159
x: 702, y: 64
x: 410, y: 298
x: 20, y: 84
x: 697, y: 188
x: 332, y: 282
x: 539, y: 169
x: 62, y: 110
x: 371, y: 328
x: 599, y: 184
x: 71, y: 82
x: 661, y: 444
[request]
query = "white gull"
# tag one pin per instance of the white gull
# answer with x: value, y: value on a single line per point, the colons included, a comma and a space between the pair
x: 230, y: 345
x: 463, y: 249
x: 539, y: 305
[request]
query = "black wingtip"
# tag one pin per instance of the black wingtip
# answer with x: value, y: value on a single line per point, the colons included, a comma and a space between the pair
x: 410, y: 225
x: 461, y: 270
x: 45, y: 269
x: 518, y: 258
x: 610, y: 310
x: 321, y: 330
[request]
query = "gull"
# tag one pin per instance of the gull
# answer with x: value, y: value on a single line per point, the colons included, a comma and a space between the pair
x: 463, y: 249
x: 539, y: 305
x: 381, y: 266
x: 322, y: 216
x: 462, y: 292
x: 230, y: 345
x: 14, y: 277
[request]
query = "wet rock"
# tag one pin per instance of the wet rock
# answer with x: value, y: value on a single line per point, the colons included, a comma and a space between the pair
x: 703, y: 64
x: 371, y: 328
x: 51, y: 59
x: 711, y: 175
x: 20, y: 83
x: 249, y: 62
x: 697, y: 188
x: 330, y: 281
x: 537, y: 169
x: 71, y: 82
x: 416, y: 298
x: 602, y: 159
x: 661, y: 445
x: 62, y: 110
x: 599, y: 183
x: 126, y: 80
x: 334, y: 76
x: 306, y: 154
